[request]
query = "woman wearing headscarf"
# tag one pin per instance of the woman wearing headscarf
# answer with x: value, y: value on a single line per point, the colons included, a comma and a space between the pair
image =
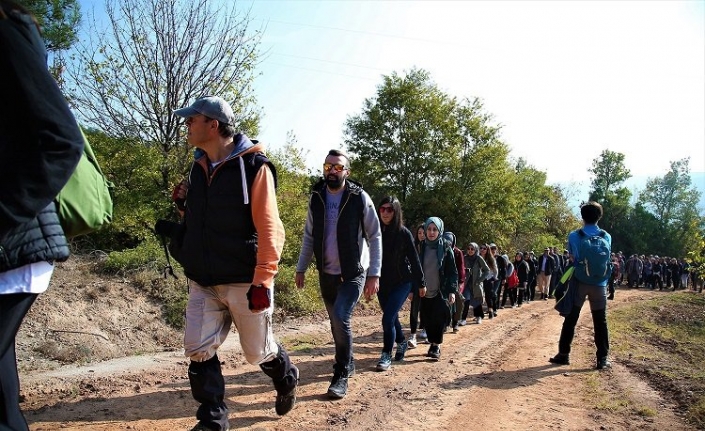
x: 401, y: 275
x: 476, y: 272
x: 441, y: 275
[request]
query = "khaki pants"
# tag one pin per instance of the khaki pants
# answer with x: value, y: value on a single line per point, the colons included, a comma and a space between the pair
x: 211, y: 311
x: 543, y: 282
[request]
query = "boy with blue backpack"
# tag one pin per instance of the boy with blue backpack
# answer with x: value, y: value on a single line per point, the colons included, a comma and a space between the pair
x: 590, y: 248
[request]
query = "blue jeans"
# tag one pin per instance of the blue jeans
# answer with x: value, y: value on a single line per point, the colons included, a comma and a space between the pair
x: 391, y: 301
x: 340, y: 298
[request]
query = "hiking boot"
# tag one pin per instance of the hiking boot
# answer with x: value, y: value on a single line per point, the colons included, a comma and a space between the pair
x: 411, y: 342
x: 338, y: 386
x: 560, y: 359
x: 384, y: 362
x: 286, y: 401
x: 201, y: 427
x: 603, y: 363
x: 401, y: 350
x: 434, y: 352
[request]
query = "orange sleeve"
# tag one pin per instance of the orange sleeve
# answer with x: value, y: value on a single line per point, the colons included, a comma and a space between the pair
x: 270, y: 229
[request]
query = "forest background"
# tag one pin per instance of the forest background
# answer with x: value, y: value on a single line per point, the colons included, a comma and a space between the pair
x: 431, y: 149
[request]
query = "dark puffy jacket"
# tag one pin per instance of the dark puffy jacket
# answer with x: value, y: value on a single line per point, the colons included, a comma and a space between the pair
x: 40, y: 146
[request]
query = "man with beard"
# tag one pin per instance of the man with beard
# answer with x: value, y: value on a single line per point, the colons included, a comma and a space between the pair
x: 342, y: 231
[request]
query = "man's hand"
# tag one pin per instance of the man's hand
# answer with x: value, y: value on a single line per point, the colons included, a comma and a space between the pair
x: 451, y: 298
x: 299, y: 279
x: 422, y: 291
x: 259, y: 298
x: 178, y: 195
x: 371, y: 287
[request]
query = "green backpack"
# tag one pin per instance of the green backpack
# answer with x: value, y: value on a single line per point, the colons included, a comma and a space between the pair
x: 84, y: 204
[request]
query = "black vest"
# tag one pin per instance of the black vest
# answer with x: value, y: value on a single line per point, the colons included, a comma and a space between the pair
x: 219, y: 240
x: 350, y: 221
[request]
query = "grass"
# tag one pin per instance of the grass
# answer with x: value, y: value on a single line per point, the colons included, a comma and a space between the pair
x: 664, y: 339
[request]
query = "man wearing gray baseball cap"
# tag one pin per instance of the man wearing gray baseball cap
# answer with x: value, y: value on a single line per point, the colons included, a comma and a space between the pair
x: 210, y: 106
x: 230, y: 251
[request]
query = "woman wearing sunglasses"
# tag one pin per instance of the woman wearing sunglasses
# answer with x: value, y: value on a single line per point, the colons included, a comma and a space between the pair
x: 401, y: 269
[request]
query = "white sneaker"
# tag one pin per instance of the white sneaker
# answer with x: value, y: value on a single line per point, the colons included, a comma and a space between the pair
x: 411, y: 342
x: 463, y: 322
x: 479, y: 320
x: 423, y: 334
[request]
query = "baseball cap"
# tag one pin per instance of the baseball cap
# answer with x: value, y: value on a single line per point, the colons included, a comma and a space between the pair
x: 493, y: 245
x: 210, y: 106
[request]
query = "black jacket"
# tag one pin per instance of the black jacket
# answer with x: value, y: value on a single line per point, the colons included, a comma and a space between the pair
x: 40, y: 146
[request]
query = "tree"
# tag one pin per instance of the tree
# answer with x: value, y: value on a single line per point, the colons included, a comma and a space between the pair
x: 609, y: 173
x: 59, y: 21
x: 158, y: 55
x: 674, y: 201
x: 607, y: 189
x: 401, y: 140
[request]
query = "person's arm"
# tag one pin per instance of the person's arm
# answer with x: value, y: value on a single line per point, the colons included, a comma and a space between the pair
x: 40, y: 142
x: 412, y: 256
x: 374, y: 235
x: 270, y: 229
x: 306, y: 253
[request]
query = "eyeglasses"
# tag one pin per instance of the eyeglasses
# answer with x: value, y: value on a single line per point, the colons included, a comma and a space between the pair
x: 335, y: 167
x: 386, y: 209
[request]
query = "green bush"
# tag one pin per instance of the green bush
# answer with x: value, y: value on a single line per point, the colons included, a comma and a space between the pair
x: 293, y: 301
x: 147, y: 255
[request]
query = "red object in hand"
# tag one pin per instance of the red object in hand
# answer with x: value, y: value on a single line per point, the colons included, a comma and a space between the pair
x: 259, y: 297
x: 180, y: 202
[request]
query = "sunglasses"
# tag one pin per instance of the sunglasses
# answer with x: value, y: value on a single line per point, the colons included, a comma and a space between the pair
x: 483, y: 248
x: 386, y: 209
x: 335, y: 167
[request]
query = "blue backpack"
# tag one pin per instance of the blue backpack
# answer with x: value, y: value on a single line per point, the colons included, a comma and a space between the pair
x: 595, y: 265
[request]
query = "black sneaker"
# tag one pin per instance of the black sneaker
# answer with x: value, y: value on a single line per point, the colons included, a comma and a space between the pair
x: 434, y: 352
x: 603, y: 363
x: 401, y: 350
x: 611, y: 297
x: 338, y: 386
x: 560, y: 359
x: 286, y: 401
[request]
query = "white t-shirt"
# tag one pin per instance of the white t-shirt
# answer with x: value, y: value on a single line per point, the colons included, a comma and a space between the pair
x: 32, y: 278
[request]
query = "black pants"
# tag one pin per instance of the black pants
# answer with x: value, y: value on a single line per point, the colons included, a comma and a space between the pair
x: 597, y: 296
x: 435, y: 314
x: 414, y: 321
x: 13, y: 308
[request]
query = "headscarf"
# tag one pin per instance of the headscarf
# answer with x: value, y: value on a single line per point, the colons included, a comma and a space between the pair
x: 438, y: 244
x: 450, y: 237
x: 471, y: 259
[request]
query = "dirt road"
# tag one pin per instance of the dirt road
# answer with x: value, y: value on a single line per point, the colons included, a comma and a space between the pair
x: 493, y: 376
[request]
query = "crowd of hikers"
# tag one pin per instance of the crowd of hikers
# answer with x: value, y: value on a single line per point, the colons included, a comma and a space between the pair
x: 489, y: 279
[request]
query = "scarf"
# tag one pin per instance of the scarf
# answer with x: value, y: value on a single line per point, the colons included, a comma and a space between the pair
x: 438, y: 243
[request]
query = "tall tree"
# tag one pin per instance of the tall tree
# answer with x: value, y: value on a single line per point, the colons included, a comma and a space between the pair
x: 158, y: 55
x: 59, y: 21
x: 674, y: 203
x: 402, y: 137
x: 609, y: 174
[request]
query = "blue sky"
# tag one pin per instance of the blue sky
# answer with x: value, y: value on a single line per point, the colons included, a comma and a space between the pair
x: 565, y: 80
